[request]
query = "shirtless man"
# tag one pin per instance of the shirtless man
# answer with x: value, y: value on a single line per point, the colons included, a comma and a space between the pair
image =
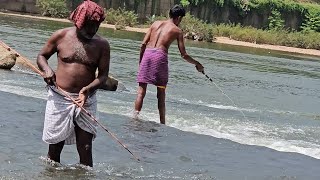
x: 153, y: 64
x: 80, y: 52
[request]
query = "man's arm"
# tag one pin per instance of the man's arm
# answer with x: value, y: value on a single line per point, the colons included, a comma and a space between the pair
x: 46, y: 52
x: 144, y: 43
x: 103, y: 70
x: 184, y: 54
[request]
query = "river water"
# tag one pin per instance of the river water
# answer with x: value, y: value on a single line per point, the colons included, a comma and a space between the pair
x: 270, y: 129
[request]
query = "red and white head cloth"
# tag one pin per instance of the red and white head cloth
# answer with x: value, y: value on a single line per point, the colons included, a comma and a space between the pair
x: 88, y: 10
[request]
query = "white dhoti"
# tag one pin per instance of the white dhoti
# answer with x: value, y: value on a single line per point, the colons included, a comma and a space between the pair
x: 62, y: 113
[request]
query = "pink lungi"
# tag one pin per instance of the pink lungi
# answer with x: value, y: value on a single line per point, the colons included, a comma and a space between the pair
x: 153, y: 67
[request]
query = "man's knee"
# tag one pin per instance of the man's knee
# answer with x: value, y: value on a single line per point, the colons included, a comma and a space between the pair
x: 142, y: 93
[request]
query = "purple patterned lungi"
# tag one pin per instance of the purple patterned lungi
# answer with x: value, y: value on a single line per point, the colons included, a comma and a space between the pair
x: 153, y: 68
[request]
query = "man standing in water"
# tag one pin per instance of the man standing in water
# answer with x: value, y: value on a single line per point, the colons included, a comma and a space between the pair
x: 80, y: 52
x: 153, y: 64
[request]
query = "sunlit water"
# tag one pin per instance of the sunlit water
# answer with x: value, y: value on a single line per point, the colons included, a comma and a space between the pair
x: 275, y: 96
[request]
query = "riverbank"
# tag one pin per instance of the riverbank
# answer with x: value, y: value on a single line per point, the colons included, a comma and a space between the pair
x: 222, y: 40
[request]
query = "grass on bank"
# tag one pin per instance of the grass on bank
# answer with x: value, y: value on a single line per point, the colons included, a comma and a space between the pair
x: 302, y: 39
x: 307, y: 40
x: 197, y: 29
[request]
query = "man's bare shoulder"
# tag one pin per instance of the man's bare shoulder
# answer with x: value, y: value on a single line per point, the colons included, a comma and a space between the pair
x: 61, y: 33
x: 174, y: 29
x: 177, y: 29
x: 101, y: 41
x: 157, y: 24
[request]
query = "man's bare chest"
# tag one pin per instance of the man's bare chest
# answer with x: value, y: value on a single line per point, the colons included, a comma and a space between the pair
x: 77, y: 52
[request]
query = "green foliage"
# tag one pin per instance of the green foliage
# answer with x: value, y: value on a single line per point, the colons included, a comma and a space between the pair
x: 196, y: 29
x: 121, y: 17
x: 184, y: 2
x: 190, y: 23
x: 121, y: 23
x: 308, y: 40
x: 276, y: 35
x: 275, y: 21
x: 311, y: 21
x: 56, y: 8
x: 220, y: 3
x: 74, y: 3
x: 309, y: 11
x: 192, y: 1
x: 153, y: 18
x: 242, y: 6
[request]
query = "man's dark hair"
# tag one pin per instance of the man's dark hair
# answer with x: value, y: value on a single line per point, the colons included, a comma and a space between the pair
x: 176, y: 11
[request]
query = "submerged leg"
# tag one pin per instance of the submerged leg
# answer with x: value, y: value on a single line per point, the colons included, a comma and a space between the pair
x: 55, y: 151
x: 84, y: 146
x: 161, y: 95
x: 140, y: 96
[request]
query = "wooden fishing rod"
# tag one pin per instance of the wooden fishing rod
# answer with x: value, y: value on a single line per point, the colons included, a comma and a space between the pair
x: 68, y: 96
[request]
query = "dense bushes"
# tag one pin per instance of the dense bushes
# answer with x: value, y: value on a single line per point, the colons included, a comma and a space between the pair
x: 56, y: 8
x: 277, y: 9
x: 196, y: 29
x: 274, y: 33
x: 308, y: 40
x: 121, y: 18
x: 308, y: 37
x: 154, y: 18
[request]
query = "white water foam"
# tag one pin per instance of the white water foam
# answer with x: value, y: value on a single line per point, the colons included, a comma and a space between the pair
x: 23, y: 91
x: 244, y: 132
x: 251, y: 133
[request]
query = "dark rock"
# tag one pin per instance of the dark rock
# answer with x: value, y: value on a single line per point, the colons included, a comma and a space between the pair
x: 110, y: 85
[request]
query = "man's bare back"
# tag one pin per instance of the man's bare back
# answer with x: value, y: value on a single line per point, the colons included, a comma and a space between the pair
x: 162, y: 34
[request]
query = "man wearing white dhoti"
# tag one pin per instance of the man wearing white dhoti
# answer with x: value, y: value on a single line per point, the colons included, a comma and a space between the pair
x: 62, y: 117
x: 80, y: 52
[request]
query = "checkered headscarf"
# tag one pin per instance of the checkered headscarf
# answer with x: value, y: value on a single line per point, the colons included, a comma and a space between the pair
x: 87, y: 10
